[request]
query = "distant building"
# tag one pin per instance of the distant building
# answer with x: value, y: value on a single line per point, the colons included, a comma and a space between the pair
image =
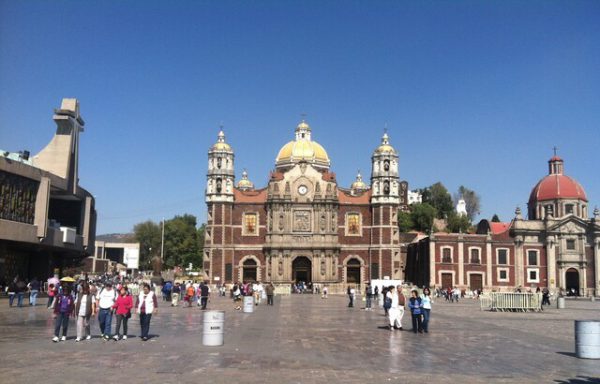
x: 113, y: 256
x: 557, y: 246
x: 47, y: 220
x: 414, y: 197
x: 303, y: 226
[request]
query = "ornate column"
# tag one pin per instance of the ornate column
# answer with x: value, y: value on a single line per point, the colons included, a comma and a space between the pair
x: 551, y: 256
x: 461, y: 260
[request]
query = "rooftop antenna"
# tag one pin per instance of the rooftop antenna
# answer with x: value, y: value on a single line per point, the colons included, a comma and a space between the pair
x: 555, y: 148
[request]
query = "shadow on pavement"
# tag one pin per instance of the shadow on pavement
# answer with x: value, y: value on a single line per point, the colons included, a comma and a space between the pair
x: 580, y: 380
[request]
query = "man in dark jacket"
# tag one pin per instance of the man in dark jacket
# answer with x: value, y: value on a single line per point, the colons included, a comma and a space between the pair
x: 204, y: 293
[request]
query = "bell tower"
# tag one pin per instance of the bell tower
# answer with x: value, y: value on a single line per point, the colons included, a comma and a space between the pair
x: 220, y: 177
x: 385, y: 182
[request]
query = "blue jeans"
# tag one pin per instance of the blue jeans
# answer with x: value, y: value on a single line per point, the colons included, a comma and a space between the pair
x: 33, y: 297
x: 62, y: 319
x: 426, y: 314
x: 105, y: 320
x: 368, y: 302
x: 11, y: 299
x: 20, y: 298
x: 145, y: 324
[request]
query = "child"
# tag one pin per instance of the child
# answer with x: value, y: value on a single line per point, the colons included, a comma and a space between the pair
x: 64, y: 308
x: 416, y: 308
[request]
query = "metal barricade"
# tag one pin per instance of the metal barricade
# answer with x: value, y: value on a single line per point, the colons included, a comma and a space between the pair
x: 511, y: 301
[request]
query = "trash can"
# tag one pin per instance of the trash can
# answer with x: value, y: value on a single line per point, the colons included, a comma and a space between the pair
x: 212, y: 330
x: 560, y: 303
x: 248, y: 304
x: 587, y: 339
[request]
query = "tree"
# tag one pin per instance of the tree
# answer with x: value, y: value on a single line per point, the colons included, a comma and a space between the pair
x: 148, y: 234
x: 181, y: 242
x: 472, y: 201
x: 438, y: 197
x: 495, y: 218
x: 458, y: 223
x: 405, y: 222
x: 422, y: 216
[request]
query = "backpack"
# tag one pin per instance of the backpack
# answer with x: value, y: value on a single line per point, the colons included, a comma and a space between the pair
x: 64, y: 304
x: 387, y: 303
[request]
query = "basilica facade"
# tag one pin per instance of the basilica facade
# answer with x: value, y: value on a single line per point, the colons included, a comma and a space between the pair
x: 303, y: 226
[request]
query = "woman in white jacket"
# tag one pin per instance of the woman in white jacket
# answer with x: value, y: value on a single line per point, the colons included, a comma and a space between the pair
x: 146, y: 305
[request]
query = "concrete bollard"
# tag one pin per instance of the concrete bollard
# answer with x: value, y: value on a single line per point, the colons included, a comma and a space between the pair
x: 587, y: 339
x: 560, y: 303
x: 248, y: 304
x: 213, y: 328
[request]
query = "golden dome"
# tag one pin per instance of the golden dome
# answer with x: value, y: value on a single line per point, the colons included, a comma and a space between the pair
x: 359, y: 184
x: 385, y: 146
x: 244, y: 183
x: 302, y: 149
x: 221, y: 145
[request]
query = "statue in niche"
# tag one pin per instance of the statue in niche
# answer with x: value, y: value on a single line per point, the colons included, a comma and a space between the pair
x: 323, y: 270
x: 280, y: 267
x: 219, y: 163
x: 333, y: 267
x: 323, y: 222
x: 281, y: 221
x: 270, y: 221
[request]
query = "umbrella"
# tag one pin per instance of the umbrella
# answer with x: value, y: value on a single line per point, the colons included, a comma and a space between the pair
x: 67, y: 279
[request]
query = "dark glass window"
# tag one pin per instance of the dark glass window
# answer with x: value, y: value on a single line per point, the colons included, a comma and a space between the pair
x: 228, y: 272
x: 532, y: 257
x: 571, y: 244
x: 502, y: 256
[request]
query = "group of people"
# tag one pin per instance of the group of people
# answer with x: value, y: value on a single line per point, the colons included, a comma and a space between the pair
x: 395, y: 303
x: 189, y: 292
x: 18, y: 288
x: 256, y: 290
x: 85, y: 300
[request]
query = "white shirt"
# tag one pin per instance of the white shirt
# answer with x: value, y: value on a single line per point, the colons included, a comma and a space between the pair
x: 106, y: 298
x: 82, y: 305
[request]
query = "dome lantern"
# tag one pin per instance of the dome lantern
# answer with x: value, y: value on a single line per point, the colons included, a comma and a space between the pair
x: 302, y: 149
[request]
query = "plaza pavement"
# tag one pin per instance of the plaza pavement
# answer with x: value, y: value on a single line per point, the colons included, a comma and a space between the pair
x: 305, y: 339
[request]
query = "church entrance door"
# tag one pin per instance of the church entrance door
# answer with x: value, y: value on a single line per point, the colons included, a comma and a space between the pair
x: 249, y: 271
x: 302, y: 269
x: 353, y: 271
x: 572, y: 277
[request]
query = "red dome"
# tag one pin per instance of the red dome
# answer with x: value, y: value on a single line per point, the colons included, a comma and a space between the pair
x: 557, y: 186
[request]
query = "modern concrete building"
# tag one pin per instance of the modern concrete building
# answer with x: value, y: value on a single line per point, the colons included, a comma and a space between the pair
x: 303, y: 226
x: 47, y: 220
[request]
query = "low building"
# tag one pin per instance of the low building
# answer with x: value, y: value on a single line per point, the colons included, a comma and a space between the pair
x: 47, y: 220
x: 110, y: 254
x: 557, y: 246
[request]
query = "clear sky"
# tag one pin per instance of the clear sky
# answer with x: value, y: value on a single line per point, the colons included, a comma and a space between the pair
x: 473, y: 92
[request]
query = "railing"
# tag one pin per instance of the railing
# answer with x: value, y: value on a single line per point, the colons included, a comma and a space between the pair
x: 513, y: 302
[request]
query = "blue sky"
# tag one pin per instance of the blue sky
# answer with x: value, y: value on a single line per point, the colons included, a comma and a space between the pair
x: 474, y: 93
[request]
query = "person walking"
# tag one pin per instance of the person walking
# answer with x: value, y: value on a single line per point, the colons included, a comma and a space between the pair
x: 34, y: 289
x: 190, y: 292
x: 52, y: 292
x: 175, y: 295
x: 427, y: 300
x: 85, y: 308
x: 21, y: 287
x: 146, y: 306
x: 105, y: 301
x: 391, y: 302
x: 122, y: 306
x: 12, y: 292
x: 351, y: 293
x: 63, y: 309
x: 416, y: 308
x: 204, y: 294
x: 369, y: 296
x: 270, y: 289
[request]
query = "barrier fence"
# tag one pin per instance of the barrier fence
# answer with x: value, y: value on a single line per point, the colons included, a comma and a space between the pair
x: 512, y: 302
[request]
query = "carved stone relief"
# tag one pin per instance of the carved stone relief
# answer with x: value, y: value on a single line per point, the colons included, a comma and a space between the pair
x: 302, y: 221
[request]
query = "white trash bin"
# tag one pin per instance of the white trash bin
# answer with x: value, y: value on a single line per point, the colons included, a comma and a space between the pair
x: 587, y: 339
x: 248, y: 304
x: 213, y: 328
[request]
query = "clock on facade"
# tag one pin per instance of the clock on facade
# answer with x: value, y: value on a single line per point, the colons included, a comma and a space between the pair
x: 302, y: 189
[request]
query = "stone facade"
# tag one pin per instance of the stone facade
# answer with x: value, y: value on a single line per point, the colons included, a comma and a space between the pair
x: 303, y: 226
x: 558, y: 251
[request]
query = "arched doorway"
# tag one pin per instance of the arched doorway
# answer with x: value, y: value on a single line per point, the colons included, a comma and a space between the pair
x: 249, y: 270
x: 353, y: 271
x: 572, y: 282
x: 302, y: 269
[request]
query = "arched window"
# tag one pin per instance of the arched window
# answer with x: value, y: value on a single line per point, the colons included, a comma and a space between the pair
x: 219, y: 185
x: 386, y: 165
x: 386, y: 187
